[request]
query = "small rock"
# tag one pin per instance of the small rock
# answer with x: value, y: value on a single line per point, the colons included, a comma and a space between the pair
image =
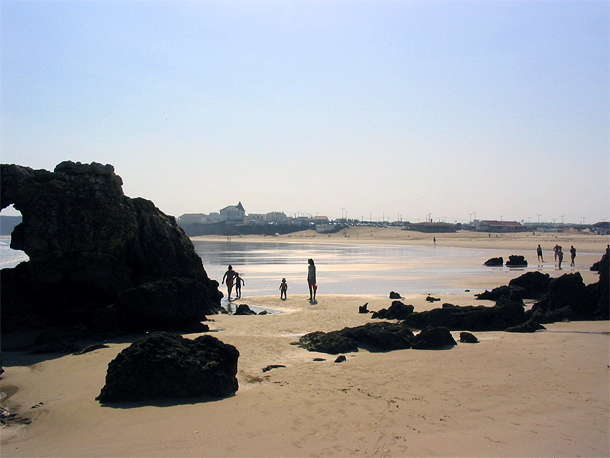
x: 341, y: 359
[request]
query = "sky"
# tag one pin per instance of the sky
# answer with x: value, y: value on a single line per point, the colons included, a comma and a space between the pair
x: 402, y: 110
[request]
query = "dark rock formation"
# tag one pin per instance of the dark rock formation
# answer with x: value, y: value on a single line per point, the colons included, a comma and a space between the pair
x: 516, y: 261
x: 397, y: 311
x: 601, y: 290
x: 466, y: 337
x: 569, y: 290
x: 504, y: 314
x: 432, y: 299
x: 165, y: 366
x: 272, y: 366
x: 528, y: 326
x: 515, y: 293
x: 340, y: 359
x: 244, y: 309
x: 99, y: 260
x: 372, y: 336
x: 363, y: 308
x: 535, y: 284
x: 433, y: 339
x: 394, y: 295
x: 495, y: 262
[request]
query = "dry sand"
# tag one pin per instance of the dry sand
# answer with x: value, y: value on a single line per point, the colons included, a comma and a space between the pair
x: 542, y: 394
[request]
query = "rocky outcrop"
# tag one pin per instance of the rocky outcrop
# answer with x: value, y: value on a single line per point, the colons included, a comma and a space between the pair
x: 98, y: 260
x: 371, y: 336
x: 504, y: 314
x: 495, y: 262
x: 433, y: 339
x: 569, y: 290
x: 516, y: 261
x: 165, y: 366
x: 535, y: 284
x: 515, y: 293
x: 397, y: 311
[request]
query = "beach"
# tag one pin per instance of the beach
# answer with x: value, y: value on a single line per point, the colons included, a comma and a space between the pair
x: 511, y: 394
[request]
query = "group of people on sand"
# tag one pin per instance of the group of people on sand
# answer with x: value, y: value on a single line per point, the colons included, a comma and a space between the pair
x: 558, y: 250
x: 232, y: 278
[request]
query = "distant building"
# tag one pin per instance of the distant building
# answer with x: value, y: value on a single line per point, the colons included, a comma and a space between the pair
x: 499, y: 226
x: 276, y: 217
x: 602, y: 228
x: 320, y: 219
x: 199, y: 218
x: 234, y: 213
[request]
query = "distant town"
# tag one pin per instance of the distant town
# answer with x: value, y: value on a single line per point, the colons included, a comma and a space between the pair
x: 233, y: 220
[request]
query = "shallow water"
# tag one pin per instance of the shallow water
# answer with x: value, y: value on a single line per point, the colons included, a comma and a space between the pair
x: 351, y: 269
x: 347, y: 268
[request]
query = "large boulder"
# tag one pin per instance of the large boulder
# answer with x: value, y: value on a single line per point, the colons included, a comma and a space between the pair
x: 397, y: 311
x: 434, y: 339
x: 515, y: 293
x: 99, y: 260
x: 164, y: 366
x: 569, y: 290
x: 535, y: 284
x: 516, y: 261
x: 504, y: 314
x: 371, y: 336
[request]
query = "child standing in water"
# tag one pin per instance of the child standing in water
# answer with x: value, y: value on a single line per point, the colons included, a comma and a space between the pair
x: 283, y: 289
x: 238, y: 282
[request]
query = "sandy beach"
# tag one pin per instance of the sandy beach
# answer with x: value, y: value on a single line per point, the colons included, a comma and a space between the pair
x: 542, y: 394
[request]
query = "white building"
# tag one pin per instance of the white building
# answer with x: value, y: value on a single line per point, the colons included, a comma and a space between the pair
x: 233, y: 213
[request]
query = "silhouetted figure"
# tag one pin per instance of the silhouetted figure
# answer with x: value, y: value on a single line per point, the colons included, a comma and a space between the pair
x: 229, y: 276
x: 556, y: 248
x: 572, y: 256
x: 539, y: 252
x: 283, y: 289
x: 559, y: 256
x: 238, y: 282
x: 311, y: 280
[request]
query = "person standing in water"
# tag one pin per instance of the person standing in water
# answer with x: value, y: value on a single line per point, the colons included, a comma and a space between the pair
x: 311, y: 280
x: 238, y: 282
x: 572, y: 256
x: 283, y: 289
x: 230, y: 277
x: 539, y: 252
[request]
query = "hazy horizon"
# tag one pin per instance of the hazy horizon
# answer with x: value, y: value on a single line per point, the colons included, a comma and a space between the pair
x: 397, y: 109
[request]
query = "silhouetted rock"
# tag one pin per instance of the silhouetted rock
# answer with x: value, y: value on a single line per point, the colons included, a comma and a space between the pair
x: 466, y: 337
x: 363, y: 308
x: 341, y: 359
x: 165, y: 366
x: 515, y: 293
x: 516, y: 261
x: 601, y: 291
x: 570, y: 291
x: 433, y: 339
x: 243, y: 309
x: 372, y: 336
x: 432, y: 299
x: 535, y: 284
x: 99, y: 261
x: 397, y: 311
x: 528, y: 326
x: 495, y: 262
x: 394, y: 295
x: 504, y: 314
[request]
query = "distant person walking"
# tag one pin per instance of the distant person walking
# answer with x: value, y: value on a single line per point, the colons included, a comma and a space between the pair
x: 539, y: 252
x: 311, y: 280
x: 556, y: 249
x: 283, y: 289
x: 229, y: 276
x: 572, y: 256
x: 559, y: 256
x: 238, y: 282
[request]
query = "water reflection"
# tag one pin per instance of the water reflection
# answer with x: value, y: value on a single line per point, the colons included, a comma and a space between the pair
x: 346, y: 269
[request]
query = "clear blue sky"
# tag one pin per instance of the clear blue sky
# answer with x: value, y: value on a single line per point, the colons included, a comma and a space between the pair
x: 386, y: 108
